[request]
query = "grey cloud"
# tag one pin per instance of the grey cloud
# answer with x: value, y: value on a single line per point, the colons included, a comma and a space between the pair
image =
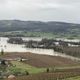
x: 60, y: 10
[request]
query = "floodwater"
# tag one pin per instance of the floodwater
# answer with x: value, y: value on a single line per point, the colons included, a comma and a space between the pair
x: 7, y: 47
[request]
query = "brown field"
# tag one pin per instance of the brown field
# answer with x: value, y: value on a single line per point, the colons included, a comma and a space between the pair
x: 38, y: 60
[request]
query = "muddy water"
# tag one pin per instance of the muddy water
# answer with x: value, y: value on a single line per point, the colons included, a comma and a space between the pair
x: 21, y: 48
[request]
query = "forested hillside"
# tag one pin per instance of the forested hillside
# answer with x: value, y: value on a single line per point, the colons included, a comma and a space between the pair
x: 61, y: 28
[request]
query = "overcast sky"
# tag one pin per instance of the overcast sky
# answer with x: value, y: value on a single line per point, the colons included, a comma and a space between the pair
x: 43, y: 10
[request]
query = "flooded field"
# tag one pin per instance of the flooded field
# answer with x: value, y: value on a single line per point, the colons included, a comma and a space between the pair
x: 7, y: 47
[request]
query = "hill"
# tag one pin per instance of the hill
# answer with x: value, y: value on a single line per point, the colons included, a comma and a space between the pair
x: 58, y: 28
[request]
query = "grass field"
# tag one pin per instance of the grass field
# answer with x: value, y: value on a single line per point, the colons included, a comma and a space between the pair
x: 26, y: 67
x: 40, y: 34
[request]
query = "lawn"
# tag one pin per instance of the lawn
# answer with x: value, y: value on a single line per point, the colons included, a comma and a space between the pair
x: 26, y: 67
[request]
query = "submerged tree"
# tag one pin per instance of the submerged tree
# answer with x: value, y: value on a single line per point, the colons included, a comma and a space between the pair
x: 2, y: 52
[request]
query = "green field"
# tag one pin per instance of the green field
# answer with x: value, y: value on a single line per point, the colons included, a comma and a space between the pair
x: 39, y: 34
x: 25, y: 67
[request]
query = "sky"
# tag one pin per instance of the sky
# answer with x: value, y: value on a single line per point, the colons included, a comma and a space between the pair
x: 41, y: 10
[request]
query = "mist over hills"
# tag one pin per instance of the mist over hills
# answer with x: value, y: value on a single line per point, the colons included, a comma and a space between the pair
x: 38, y: 26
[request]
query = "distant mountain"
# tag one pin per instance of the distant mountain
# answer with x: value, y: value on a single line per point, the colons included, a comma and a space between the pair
x: 38, y: 26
